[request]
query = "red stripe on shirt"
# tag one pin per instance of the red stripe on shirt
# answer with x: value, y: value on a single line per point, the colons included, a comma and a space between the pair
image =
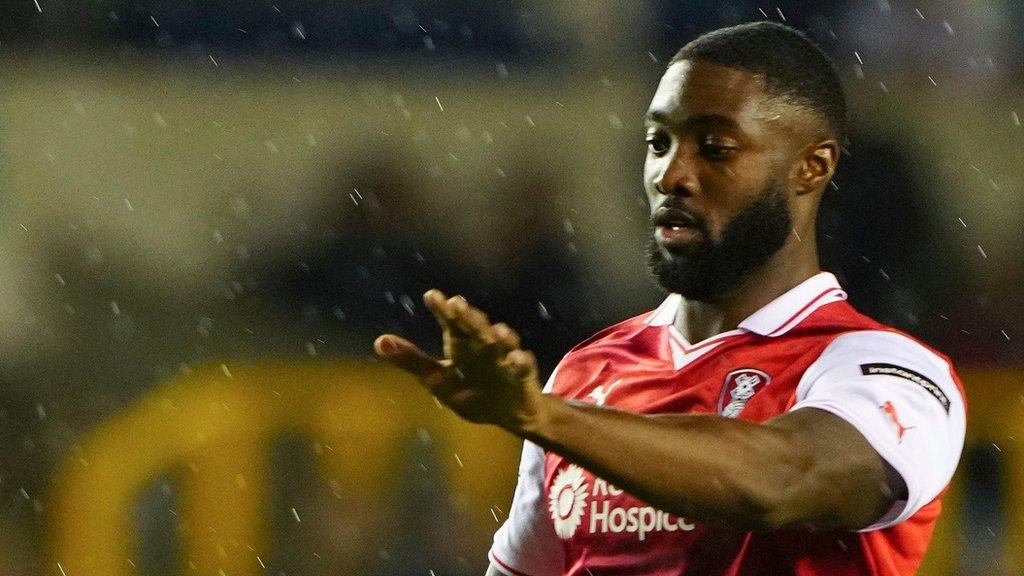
x: 802, y: 310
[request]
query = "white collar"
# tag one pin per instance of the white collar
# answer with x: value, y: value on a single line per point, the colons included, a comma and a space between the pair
x: 778, y: 316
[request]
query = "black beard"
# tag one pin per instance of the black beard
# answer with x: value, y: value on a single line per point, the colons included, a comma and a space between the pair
x: 710, y: 270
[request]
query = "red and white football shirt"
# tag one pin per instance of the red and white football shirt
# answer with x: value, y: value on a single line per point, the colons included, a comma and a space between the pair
x: 806, y: 349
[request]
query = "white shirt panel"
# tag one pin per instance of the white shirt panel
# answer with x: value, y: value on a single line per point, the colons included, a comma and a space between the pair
x: 902, y: 398
x: 526, y: 543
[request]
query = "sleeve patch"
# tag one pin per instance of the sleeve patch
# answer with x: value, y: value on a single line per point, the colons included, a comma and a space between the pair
x: 882, y: 369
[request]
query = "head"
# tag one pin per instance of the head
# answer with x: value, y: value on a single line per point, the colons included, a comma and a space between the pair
x: 743, y: 135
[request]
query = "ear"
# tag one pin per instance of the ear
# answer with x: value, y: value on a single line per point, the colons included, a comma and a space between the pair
x: 817, y: 166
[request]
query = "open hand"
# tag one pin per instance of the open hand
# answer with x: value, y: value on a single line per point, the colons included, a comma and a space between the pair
x: 484, y: 376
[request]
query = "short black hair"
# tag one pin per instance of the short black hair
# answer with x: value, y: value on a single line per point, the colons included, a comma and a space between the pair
x: 791, y: 65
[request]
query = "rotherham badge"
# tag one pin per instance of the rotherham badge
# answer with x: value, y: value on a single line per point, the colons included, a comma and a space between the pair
x: 740, y: 386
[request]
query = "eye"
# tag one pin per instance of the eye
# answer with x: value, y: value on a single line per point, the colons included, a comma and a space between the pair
x: 657, y: 142
x: 716, y: 150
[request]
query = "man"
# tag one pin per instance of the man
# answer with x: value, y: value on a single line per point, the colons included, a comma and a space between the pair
x: 754, y: 423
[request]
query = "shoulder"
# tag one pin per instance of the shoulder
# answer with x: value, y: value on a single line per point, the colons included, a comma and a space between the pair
x: 838, y: 317
x: 888, y: 342
x: 619, y: 331
x: 851, y: 334
x: 885, y: 352
x: 625, y: 341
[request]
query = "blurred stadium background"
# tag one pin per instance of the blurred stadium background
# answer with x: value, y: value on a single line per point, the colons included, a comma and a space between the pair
x: 208, y: 209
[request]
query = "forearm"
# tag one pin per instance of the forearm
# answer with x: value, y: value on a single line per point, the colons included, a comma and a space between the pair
x: 806, y: 466
x: 700, y: 466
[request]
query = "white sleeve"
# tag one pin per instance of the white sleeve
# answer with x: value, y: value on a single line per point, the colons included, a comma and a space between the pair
x: 526, y: 544
x: 903, y: 398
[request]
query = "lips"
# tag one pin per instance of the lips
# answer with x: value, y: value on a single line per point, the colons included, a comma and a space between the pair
x: 675, y: 227
x: 674, y: 218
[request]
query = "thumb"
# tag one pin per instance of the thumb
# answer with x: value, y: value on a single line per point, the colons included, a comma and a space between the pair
x: 406, y: 355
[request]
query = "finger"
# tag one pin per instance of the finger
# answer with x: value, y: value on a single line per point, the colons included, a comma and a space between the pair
x: 453, y: 310
x: 470, y: 319
x: 436, y: 302
x: 523, y: 364
x: 407, y: 356
x: 508, y: 339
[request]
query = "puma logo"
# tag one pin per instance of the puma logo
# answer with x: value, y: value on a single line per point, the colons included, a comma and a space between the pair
x: 891, y: 411
x: 599, y: 395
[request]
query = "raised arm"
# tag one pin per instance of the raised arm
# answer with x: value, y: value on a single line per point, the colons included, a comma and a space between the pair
x: 807, y: 467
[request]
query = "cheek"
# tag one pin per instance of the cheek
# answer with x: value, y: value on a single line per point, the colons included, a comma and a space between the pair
x: 651, y: 173
x: 732, y: 197
x: 740, y: 182
x: 651, y: 170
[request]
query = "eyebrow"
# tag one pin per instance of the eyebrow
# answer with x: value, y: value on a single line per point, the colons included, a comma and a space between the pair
x: 661, y: 117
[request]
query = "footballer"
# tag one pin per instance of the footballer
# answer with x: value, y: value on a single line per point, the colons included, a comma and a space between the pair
x: 754, y: 423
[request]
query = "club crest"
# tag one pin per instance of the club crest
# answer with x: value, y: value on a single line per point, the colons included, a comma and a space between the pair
x: 740, y: 386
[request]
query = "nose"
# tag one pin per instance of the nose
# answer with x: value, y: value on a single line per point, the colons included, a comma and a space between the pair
x: 679, y: 174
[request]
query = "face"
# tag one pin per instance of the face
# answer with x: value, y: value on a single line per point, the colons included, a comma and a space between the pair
x: 717, y: 178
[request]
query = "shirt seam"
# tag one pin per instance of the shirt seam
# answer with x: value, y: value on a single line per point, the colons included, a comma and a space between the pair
x: 505, y: 565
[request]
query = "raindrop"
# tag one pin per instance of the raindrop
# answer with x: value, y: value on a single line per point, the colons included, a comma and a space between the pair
x: 407, y: 303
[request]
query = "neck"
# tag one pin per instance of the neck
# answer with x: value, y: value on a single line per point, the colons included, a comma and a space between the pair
x: 795, y: 262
